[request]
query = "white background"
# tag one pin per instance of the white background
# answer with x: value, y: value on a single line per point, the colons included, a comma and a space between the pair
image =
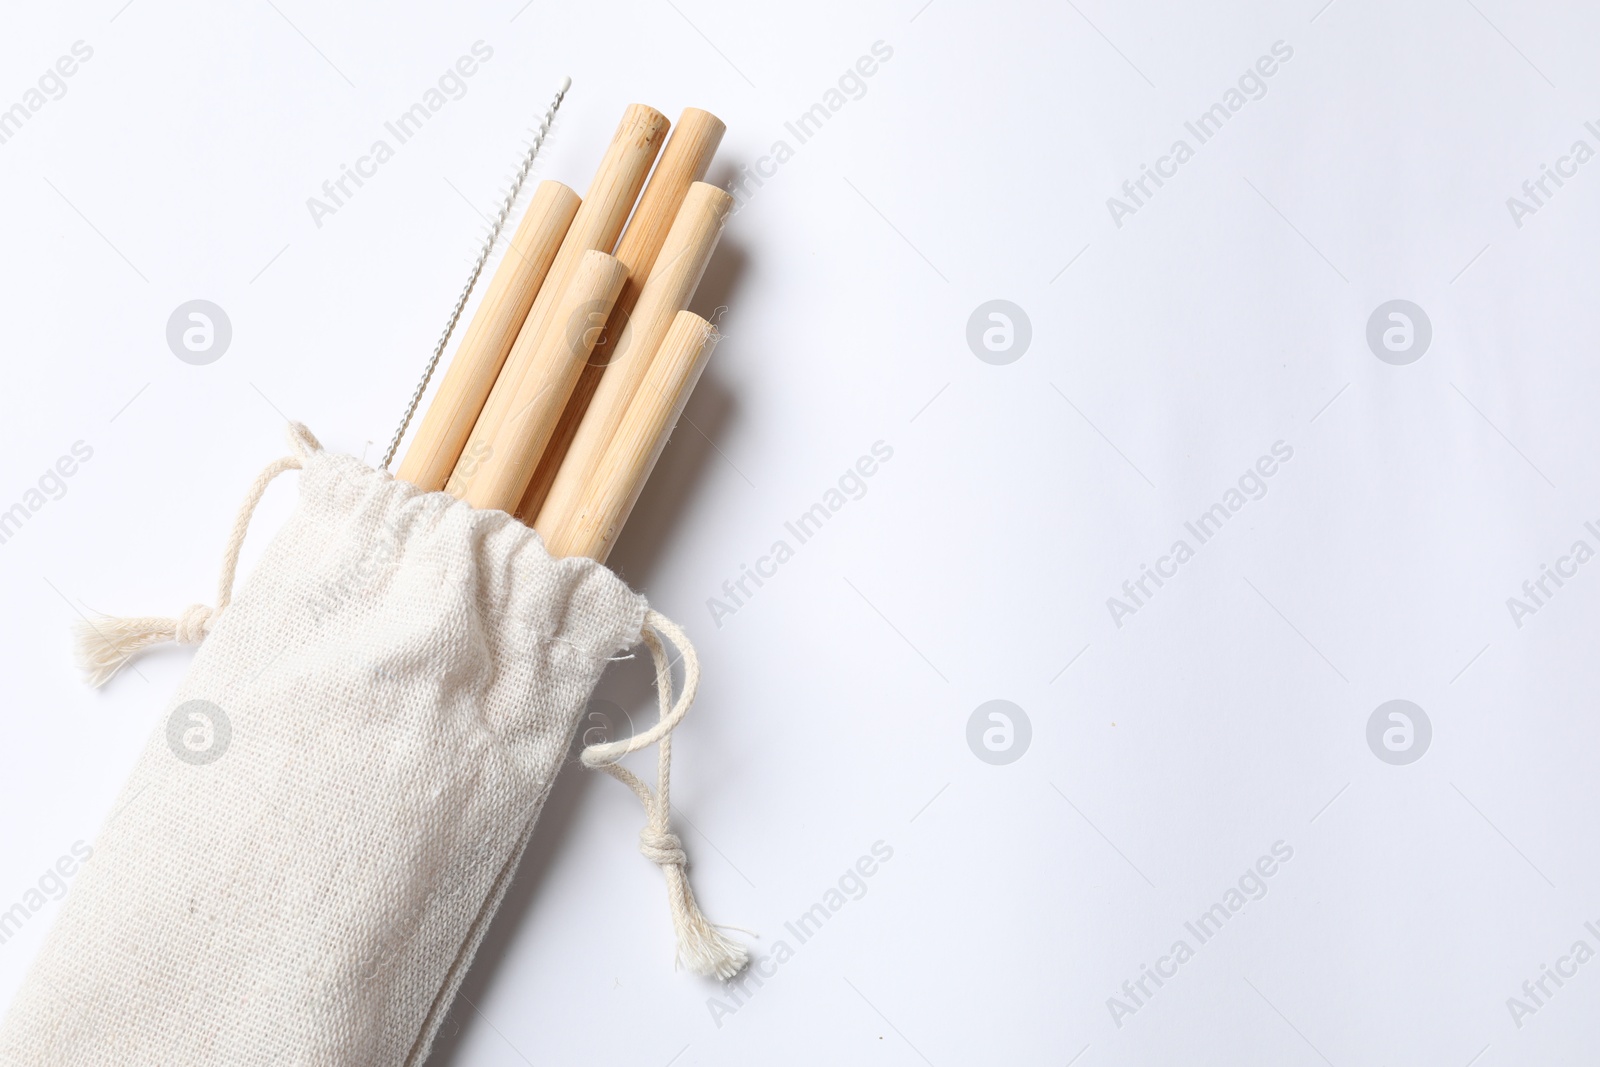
x: 1168, y: 354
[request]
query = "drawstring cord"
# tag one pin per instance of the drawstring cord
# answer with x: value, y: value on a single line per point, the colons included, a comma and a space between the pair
x: 106, y: 644
x: 702, y: 947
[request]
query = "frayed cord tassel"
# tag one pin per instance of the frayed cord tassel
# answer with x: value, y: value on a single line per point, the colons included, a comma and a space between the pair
x: 702, y: 947
x: 106, y: 644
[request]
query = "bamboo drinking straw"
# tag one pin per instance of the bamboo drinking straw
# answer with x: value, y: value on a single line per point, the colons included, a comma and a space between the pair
x: 677, y: 272
x: 684, y: 161
x: 488, y: 340
x: 596, y: 226
x: 638, y: 442
x: 514, y: 449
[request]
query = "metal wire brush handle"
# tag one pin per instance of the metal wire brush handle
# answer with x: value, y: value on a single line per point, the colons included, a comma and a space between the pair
x: 477, y: 269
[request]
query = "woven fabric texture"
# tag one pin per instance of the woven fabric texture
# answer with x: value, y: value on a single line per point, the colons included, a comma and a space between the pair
x: 301, y: 866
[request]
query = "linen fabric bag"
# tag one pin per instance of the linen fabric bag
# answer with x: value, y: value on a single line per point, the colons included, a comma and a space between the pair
x: 315, y: 838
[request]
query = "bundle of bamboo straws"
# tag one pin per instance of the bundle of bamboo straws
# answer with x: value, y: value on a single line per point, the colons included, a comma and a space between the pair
x: 581, y: 356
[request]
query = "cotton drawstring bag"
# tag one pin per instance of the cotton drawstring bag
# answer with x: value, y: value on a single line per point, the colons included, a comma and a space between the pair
x: 317, y: 834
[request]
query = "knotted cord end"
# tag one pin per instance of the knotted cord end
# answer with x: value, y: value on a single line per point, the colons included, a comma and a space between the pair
x: 702, y: 947
x: 105, y: 645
